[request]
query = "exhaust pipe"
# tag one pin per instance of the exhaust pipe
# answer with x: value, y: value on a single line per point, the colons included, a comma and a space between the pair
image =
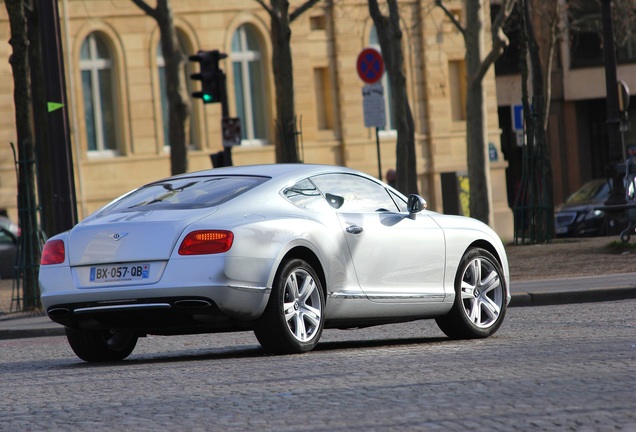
x: 58, y: 312
x: 192, y: 304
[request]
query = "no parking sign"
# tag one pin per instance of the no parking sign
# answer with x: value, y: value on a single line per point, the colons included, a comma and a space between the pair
x: 370, y: 65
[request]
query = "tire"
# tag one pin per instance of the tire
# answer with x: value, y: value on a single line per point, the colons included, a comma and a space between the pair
x: 294, y: 317
x: 100, y: 345
x: 480, y: 298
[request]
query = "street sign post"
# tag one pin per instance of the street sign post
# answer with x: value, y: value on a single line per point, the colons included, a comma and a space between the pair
x: 370, y: 66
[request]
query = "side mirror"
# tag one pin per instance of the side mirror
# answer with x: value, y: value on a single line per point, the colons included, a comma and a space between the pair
x: 416, y: 204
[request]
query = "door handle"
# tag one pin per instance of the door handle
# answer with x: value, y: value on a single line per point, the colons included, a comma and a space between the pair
x: 354, y: 229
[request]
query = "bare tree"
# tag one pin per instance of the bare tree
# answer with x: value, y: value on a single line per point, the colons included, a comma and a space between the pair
x: 29, y: 250
x: 178, y: 100
x: 534, y: 207
x: 282, y: 66
x: 476, y: 67
x: 390, y: 38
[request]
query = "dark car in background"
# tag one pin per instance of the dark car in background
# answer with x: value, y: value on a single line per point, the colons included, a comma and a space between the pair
x: 579, y: 216
x: 8, y: 247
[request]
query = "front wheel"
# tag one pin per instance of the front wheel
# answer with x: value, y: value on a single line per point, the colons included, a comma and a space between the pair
x: 480, y: 297
x: 101, y: 345
x: 294, y: 317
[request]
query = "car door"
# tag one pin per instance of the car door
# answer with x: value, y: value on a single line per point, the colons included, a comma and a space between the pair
x: 396, y: 258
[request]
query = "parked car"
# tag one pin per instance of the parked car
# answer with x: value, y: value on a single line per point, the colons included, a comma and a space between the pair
x: 8, y: 247
x: 283, y: 250
x: 579, y: 216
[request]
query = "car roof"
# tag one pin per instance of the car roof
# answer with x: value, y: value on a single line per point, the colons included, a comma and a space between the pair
x: 281, y: 172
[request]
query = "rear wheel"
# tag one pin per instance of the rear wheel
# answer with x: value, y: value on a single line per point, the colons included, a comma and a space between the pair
x: 480, y: 297
x: 293, y: 320
x: 101, y: 345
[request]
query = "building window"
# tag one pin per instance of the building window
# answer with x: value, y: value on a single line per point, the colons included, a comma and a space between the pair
x: 318, y: 22
x: 509, y: 63
x: 457, y: 85
x: 249, y: 85
x: 163, y: 89
x: 324, y: 98
x: 96, y: 66
x: 586, y: 34
x: 388, y: 105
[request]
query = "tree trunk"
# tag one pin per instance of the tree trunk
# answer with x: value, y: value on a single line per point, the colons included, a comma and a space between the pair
x: 542, y: 214
x: 475, y: 120
x: 29, y: 246
x: 283, y: 69
x: 286, y: 151
x: 476, y: 67
x: 390, y: 38
x: 178, y: 100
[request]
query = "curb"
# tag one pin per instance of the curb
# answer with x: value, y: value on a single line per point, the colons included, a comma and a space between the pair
x: 572, y: 297
x: 31, y: 333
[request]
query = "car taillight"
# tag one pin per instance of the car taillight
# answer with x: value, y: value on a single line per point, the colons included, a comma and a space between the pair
x: 53, y: 252
x: 206, y: 242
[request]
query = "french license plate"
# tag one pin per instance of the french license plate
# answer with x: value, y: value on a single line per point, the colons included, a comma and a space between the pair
x: 120, y: 272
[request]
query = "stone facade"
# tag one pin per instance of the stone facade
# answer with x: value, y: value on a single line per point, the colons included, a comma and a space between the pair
x: 325, y: 44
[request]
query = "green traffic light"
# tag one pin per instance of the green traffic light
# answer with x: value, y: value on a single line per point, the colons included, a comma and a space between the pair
x: 207, y: 97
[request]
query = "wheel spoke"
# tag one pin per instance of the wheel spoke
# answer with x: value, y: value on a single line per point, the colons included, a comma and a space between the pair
x: 289, y: 311
x: 475, y: 311
x: 476, y: 271
x: 306, y: 290
x: 492, y: 309
x: 311, y: 314
x: 301, y: 332
x: 468, y: 290
x: 490, y: 282
x: 292, y: 285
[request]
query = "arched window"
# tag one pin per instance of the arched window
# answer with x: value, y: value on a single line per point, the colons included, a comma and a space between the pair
x: 190, y: 135
x: 390, y: 115
x: 249, y: 85
x: 96, y: 66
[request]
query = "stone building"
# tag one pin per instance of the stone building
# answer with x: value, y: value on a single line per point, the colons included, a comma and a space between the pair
x: 117, y: 103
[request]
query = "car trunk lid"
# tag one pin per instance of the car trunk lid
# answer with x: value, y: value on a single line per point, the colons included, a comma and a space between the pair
x: 129, y: 236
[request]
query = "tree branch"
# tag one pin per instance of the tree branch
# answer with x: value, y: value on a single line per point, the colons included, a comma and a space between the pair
x: 267, y: 8
x: 301, y: 9
x: 499, y: 39
x: 141, y: 4
x: 450, y: 16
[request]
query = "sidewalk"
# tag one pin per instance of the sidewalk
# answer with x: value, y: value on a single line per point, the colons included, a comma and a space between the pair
x: 524, y: 293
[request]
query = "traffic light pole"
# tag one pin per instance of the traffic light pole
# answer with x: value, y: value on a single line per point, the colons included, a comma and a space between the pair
x: 225, y: 113
x: 213, y: 90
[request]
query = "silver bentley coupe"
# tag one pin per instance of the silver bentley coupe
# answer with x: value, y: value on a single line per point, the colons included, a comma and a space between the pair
x: 282, y: 250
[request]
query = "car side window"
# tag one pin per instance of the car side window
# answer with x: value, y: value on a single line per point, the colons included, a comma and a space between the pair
x: 399, y: 201
x: 354, y: 194
x: 306, y: 196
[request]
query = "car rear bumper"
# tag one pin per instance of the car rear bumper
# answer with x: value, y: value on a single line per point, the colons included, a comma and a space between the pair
x: 164, y: 316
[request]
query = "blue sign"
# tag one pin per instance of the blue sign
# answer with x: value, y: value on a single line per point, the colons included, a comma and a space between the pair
x: 517, y: 117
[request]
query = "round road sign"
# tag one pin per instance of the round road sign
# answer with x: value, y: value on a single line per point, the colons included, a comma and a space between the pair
x: 370, y: 65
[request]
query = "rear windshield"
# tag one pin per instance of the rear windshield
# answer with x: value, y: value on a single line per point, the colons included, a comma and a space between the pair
x: 184, y: 193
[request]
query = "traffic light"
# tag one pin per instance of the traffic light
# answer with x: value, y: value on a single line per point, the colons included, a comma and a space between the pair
x: 211, y: 76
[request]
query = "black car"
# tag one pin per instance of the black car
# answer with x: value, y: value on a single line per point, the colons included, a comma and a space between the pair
x: 579, y: 216
x: 8, y: 248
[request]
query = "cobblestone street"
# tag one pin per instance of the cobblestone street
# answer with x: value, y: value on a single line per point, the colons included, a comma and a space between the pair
x: 557, y: 368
